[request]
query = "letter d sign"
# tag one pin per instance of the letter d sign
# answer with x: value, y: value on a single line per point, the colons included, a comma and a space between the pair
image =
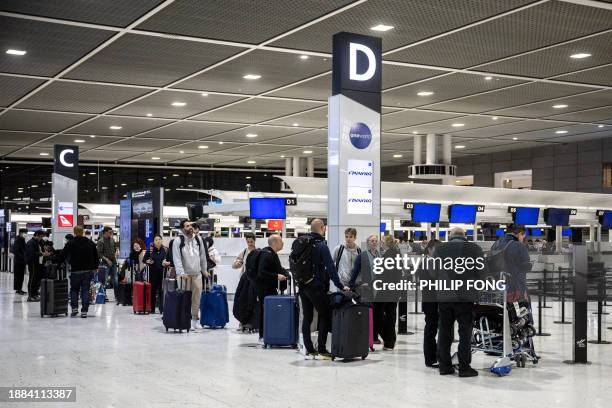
x: 369, y: 73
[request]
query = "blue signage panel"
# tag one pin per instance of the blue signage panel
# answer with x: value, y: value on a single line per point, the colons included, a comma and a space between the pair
x: 125, y: 227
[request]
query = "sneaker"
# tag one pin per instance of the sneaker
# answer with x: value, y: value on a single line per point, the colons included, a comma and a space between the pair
x: 20, y: 292
x: 325, y: 355
x: 260, y: 342
x: 432, y: 365
x: 376, y: 341
x: 387, y: 348
x: 194, y: 325
x: 84, y: 315
x: 447, y: 371
x: 74, y: 313
x: 310, y: 356
x: 32, y: 299
x: 468, y: 372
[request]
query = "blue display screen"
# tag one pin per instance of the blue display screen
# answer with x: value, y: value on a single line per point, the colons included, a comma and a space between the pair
x: 606, y: 219
x: 535, y: 232
x: 499, y: 232
x: 383, y: 226
x: 469, y: 232
x: 526, y: 215
x: 425, y: 212
x: 557, y: 216
x: 460, y: 213
x: 442, y: 234
x: 263, y: 208
x: 567, y: 232
x: 418, y: 233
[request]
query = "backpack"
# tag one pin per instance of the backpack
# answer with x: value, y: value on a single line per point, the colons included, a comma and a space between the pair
x: 251, y: 266
x: 496, y: 263
x: 300, y: 258
x: 339, y: 255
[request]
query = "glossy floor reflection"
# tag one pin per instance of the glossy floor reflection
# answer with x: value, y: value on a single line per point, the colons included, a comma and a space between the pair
x: 117, y: 359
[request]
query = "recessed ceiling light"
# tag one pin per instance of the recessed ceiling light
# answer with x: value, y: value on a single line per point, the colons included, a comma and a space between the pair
x: 124, y: 184
x: 600, y: 126
x: 175, y: 175
x: 115, y: 127
x: 79, y: 141
x: 151, y: 179
x: 560, y: 106
x: 515, y: 138
x: 251, y: 162
x: 414, y: 132
x: 296, y: 124
x: 424, y: 93
x: 149, y: 114
x: 397, y: 156
x: 34, y: 186
x: 580, y: 55
x: 252, y: 76
x: 92, y: 173
x: 561, y: 132
x: 12, y: 51
x: 282, y: 156
x: 459, y: 146
x: 221, y: 142
x: 181, y: 151
x: 204, y: 94
x: 155, y: 158
x: 381, y: 27
x: 304, y: 57
x: 307, y: 151
x: 248, y: 177
x: 488, y: 78
x: 494, y: 118
x: 458, y: 124
x: 92, y: 136
x: 202, y: 147
x: 251, y: 135
x: 44, y: 154
x: 179, y: 104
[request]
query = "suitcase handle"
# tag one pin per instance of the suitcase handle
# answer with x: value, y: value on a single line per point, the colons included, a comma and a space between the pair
x: 180, y: 283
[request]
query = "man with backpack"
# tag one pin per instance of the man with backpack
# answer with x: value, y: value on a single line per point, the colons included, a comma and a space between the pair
x: 189, y: 258
x: 264, y: 268
x: 313, y: 267
x: 345, y: 255
x: 511, y: 256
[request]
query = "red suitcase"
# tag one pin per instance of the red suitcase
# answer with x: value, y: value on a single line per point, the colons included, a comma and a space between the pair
x: 141, y: 296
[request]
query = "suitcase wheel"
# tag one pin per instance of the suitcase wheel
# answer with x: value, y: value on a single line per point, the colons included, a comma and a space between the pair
x: 294, y: 346
x: 363, y: 357
x: 372, y: 349
x: 265, y: 345
x: 333, y: 358
x: 166, y: 329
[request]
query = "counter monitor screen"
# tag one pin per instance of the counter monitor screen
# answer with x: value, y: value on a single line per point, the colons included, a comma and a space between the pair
x: 567, y: 232
x: 263, y: 208
x: 535, y: 232
x: 500, y: 232
x: 383, y: 226
x: 463, y: 214
x: 557, y: 216
x: 426, y: 212
x: 606, y: 219
x: 526, y: 215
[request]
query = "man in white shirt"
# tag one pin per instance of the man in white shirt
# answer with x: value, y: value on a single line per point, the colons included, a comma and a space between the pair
x: 189, y: 256
x: 345, y: 255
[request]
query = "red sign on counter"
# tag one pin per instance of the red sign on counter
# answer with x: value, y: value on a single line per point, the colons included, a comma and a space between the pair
x: 275, y: 225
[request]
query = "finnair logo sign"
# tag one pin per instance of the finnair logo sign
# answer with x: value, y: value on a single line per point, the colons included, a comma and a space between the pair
x: 362, y: 75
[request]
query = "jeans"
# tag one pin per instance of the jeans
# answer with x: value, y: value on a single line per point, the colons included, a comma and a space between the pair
x: 80, y: 282
x: 431, y: 330
x: 114, y: 277
x: 463, y: 314
x: 313, y: 296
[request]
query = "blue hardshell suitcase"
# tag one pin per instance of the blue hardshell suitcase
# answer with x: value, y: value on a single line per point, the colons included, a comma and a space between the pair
x: 214, y: 311
x: 281, y: 316
x: 177, y: 310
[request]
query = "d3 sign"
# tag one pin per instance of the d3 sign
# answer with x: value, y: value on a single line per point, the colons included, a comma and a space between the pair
x: 369, y: 73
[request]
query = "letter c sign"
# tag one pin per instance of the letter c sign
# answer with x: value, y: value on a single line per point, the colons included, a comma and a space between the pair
x: 369, y: 73
x: 62, y: 157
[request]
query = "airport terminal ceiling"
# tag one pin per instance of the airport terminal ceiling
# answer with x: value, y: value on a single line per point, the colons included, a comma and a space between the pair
x: 245, y: 84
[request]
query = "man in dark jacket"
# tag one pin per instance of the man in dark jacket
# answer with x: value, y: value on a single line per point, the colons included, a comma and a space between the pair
x: 452, y: 268
x: 313, y: 294
x: 34, y: 256
x: 83, y: 256
x: 19, y: 261
x: 516, y: 262
x: 269, y: 273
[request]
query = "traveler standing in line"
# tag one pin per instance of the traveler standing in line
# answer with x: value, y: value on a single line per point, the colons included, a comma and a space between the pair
x: 154, y: 258
x: 19, y: 261
x: 429, y: 305
x: 214, y: 258
x: 345, y: 255
x: 240, y: 261
x: 363, y: 276
x: 34, y: 257
x: 135, y: 262
x: 516, y: 261
x: 83, y: 256
x: 189, y: 257
x: 107, y: 252
x: 385, y: 310
x: 269, y: 273
x: 456, y: 305
x: 313, y: 293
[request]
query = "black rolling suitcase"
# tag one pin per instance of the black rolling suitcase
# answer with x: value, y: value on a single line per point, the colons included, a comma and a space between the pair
x: 350, y: 331
x: 54, y: 292
x: 124, y: 291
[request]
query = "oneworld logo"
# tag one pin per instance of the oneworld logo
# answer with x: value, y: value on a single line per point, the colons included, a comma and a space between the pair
x: 360, y: 135
x: 359, y: 200
x: 360, y: 173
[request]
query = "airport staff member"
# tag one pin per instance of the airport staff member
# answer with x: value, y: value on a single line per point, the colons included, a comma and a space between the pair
x: 456, y: 305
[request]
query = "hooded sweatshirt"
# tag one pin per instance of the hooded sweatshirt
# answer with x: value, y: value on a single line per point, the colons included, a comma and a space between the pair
x: 192, y: 258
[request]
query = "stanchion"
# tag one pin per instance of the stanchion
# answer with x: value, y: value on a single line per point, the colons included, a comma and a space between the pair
x: 544, y: 289
x: 562, y: 289
x: 416, y: 300
x: 603, y: 296
x: 600, y: 293
x: 540, y: 333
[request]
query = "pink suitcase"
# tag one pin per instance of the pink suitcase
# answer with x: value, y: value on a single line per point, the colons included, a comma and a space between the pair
x: 371, y: 334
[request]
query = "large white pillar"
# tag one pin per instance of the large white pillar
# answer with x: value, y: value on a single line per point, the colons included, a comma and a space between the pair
x: 288, y: 166
x: 558, y: 238
x: 430, y: 153
x: 447, y: 148
x: 418, y: 149
x: 310, y: 167
x: 297, y: 170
